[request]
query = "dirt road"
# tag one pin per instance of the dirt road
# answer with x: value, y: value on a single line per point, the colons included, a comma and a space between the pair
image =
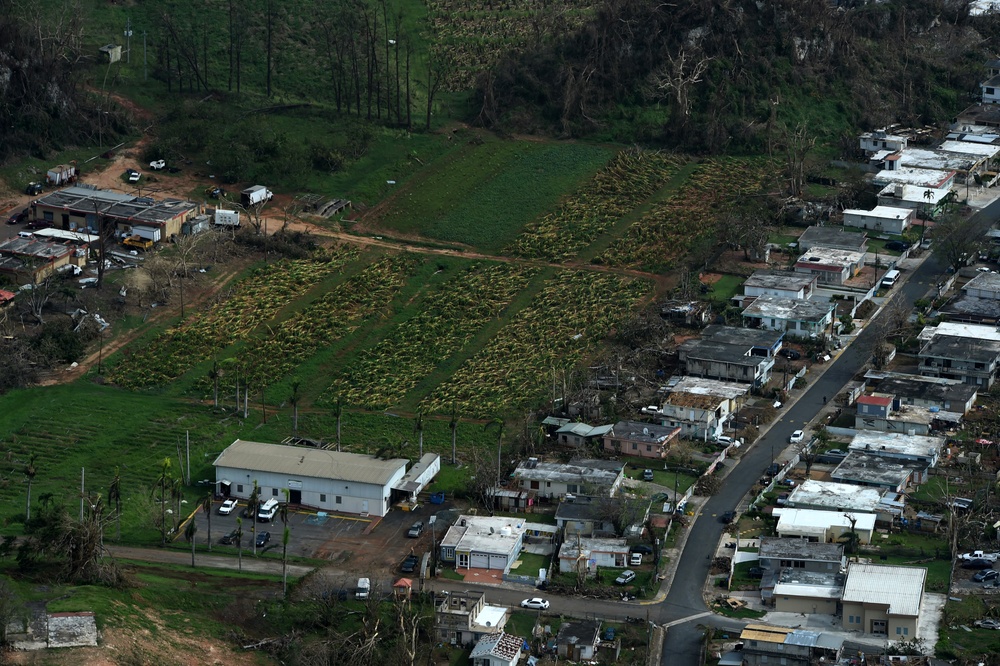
x: 251, y: 564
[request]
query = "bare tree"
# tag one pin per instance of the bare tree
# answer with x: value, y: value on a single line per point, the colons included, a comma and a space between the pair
x: 678, y: 76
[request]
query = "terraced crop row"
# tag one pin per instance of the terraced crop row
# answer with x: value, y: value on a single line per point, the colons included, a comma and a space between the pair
x: 565, y: 322
x: 631, y: 177
x: 448, y: 319
x: 673, y: 226
x: 252, y: 302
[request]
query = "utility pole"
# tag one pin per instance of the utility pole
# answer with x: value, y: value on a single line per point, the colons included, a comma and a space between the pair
x: 143, y: 55
x: 82, y: 491
x: 128, y: 40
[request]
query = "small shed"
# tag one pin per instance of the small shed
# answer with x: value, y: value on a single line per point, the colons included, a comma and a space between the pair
x: 112, y: 51
x: 61, y: 174
x: 402, y: 588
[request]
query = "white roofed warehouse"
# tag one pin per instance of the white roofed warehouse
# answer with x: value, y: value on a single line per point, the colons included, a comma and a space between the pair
x: 326, y: 480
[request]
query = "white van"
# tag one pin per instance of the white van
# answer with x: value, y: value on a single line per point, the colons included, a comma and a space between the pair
x: 363, y: 589
x: 25, y: 234
x: 890, y: 278
x: 267, y: 510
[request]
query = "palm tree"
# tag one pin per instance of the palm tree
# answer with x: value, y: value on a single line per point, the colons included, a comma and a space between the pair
x: 189, y: 533
x: 252, y: 510
x: 454, y: 429
x: 338, y: 409
x: 851, y: 539
x: 177, y: 495
x: 498, y: 422
x: 419, y: 428
x: 294, y: 401
x: 29, y: 473
x: 214, y: 375
x: 239, y: 542
x: 115, y: 498
x: 163, y: 481
x: 286, y: 534
x: 206, y: 504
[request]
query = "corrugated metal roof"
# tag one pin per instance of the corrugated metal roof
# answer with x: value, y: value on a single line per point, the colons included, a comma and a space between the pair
x: 763, y: 632
x: 899, y: 588
x: 316, y: 463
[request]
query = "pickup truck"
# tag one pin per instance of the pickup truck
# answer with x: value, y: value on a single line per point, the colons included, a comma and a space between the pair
x: 980, y: 555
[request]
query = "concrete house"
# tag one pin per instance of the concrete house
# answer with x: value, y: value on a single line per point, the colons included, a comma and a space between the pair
x: 928, y: 201
x: 879, y: 140
x: 801, y: 591
x: 817, y: 557
x: 728, y: 362
x: 884, y: 600
x: 834, y: 238
x: 881, y: 219
x: 580, y: 554
x: 491, y: 543
x: 577, y: 640
x: 932, y: 179
x: 578, y: 476
x: 830, y: 265
x: 461, y: 618
x: 585, y: 516
x: 758, y: 342
x: 969, y: 360
x: 497, y: 650
x: 822, y: 526
x: 580, y: 435
x: 837, y: 497
x: 796, y: 317
x: 645, y: 440
x: 29, y: 260
x: 785, y: 284
x: 948, y: 395
x: 876, y: 471
x: 765, y: 645
x: 327, y: 480
x: 699, y: 407
x: 913, y: 448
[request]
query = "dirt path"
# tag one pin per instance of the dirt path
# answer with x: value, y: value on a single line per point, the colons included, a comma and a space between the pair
x: 251, y: 564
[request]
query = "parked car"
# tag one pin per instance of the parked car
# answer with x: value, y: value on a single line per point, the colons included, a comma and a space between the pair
x: 987, y: 624
x: 977, y: 564
x: 33, y: 189
x: 897, y: 246
x: 635, y: 559
x: 18, y: 218
x: 156, y: 165
x: 262, y: 538
x: 790, y: 354
x: 643, y: 548
x: 626, y: 577
x: 985, y: 575
x: 228, y: 507
x: 647, y: 475
x: 797, y: 437
x: 215, y: 192
x: 756, y: 573
x: 416, y: 529
x: 231, y: 539
x: 410, y: 564
x: 133, y: 175
x: 727, y: 517
x: 536, y: 603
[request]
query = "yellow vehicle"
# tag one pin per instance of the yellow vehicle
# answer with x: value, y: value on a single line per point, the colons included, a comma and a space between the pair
x: 138, y: 242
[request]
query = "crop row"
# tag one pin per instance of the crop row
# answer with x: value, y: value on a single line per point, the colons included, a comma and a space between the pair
x: 253, y: 301
x: 561, y: 326
x: 330, y: 318
x: 448, y: 319
x: 672, y: 227
x: 631, y: 177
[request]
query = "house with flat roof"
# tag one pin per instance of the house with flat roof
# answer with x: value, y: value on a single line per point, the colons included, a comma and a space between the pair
x: 979, y: 301
x: 29, y: 260
x: 483, y: 542
x: 928, y: 201
x: 801, y: 554
x: 586, y: 555
x: 914, y: 448
x: 577, y: 640
x: 796, y: 317
x: 923, y: 178
x: 869, y: 469
x: 758, y: 342
x: 580, y: 435
x: 881, y: 139
x: 969, y: 360
x: 699, y: 407
x: 588, y: 516
x: 881, y: 219
x: 830, y: 265
x: 462, y: 618
x: 767, y: 645
x: 949, y: 395
x: 728, y: 362
x: 785, y: 284
x: 936, y: 159
x: 636, y: 438
x: 585, y: 476
x: 984, y: 285
x: 882, y: 599
x: 831, y: 496
x: 327, y: 480
x: 804, y: 591
x: 77, y: 209
x: 499, y: 649
x: 834, y: 238
x: 822, y: 526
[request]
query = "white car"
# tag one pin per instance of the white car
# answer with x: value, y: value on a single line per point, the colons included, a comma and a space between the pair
x: 156, y: 165
x: 133, y: 176
x: 797, y: 437
x: 536, y: 603
x: 228, y: 507
x: 983, y: 269
x: 626, y: 577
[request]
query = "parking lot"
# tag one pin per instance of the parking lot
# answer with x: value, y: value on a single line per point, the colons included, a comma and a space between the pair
x: 339, y: 539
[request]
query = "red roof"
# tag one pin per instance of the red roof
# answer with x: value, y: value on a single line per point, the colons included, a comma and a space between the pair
x: 881, y: 401
x: 6, y: 295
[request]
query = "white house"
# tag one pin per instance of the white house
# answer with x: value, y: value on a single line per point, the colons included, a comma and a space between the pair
x: 798, y: 318
x: 916, y: 448
x: 578, y: 554
x: 991, y: 90
x: 497, y: 650
x: 923, y: 178
x: 578, y: 476
x: 825, y: 526
x: 461, y: 618
x: 927, y: 200
x: 328, y: 480
x: 700, y: 407
x: 881, y: 219
x: 785, y: 284
x: 483, y: 542
x: 830, y: 265
x: 878, y: 140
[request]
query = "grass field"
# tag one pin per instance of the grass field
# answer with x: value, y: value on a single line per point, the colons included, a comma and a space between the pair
x: 489, y: 189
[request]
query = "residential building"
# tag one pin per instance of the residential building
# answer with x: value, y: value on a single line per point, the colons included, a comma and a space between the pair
x: 949, y: 395
x: 823, y: 526
x: 875, y: 471
x: 579, y: 555
x: 461, y: 618
x: 801, y: 554
x: 587, y: 516
x: 758, y: 342
x: 831, y: 496
x: 77, y: 208
x: 29, y: 260
x: 882, y: 139
x: 990, y: 89
x: 766, y: 645
x: 914, y: 448
x: 930, y: 179
x: 984, y: 285
x: 797, y: 318
x: 881, y: 219
x: 718, y: 360
x: 834, y: 238
x: 830, y: 265
x: 497, y: 650
x: 800, y: 591
x: 645, y: 440
x: 938, y: 160
x: 577, y: 640
x: 786, y: 284
x: 327, y: 480
x: 686, y: 313
x: 970, y: 360
x: 580, y: 435
x: 579, y: 475
x: 699, y: 407
x: 483, y: 542
x: 882, y: 412
x: 928, y: 201
x: 882, y: 599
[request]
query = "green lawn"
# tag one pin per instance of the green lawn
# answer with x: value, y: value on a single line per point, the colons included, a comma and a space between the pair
x: 725, y: 288
x: 530, y: 563
x: 488, y: 190
x: 954, y: 641
x: 662, y: 478
x: 742, y: 579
